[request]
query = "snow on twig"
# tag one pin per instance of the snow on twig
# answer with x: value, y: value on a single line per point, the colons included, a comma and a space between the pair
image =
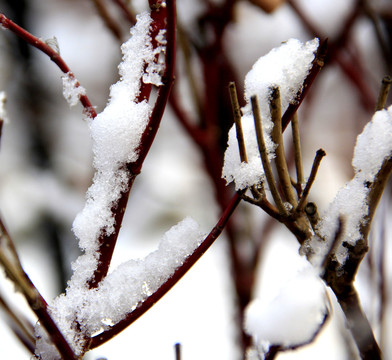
x: 7, y: 24
x: 373, y: 147
x: 116, y: 134
x: 285, y: 67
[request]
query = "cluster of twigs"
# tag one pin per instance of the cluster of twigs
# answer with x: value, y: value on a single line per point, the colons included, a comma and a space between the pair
x: 301, y: 217
x: 208, y: 131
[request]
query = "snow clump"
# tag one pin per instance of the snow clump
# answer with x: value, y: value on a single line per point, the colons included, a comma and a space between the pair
x: 285, y: 67
x: 373, y: 147
x: 126, y: 287
x: 293, y: 317
x: 72, y: 90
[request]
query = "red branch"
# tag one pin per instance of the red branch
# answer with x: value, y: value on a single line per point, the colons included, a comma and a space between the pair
x: 126, y: 12
x: 53, y: 55
x: 177, y: 275
x: 40, y: 308
x: 163, y: 17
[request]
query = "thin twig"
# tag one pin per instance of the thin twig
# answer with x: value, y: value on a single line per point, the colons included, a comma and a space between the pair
x: 277, y: 138
x: 27, y: 332
x: 53, y: 55
x: 9, y: 244
x: 128, y: 14
x: 186, y: 51
x: 297, y: 153
x: 237, y: 120
x: 316, y: 163
x: 37, y: 304
x: 3, y: 99
x: 109, y: 22
x: 381, y: 35
x: 177, y: 348
x: 264, y: 156
x: 384, y: 91
x: 340, y: 53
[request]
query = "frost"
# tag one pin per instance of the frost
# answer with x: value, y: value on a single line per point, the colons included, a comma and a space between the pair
x: 72, y: 91
x: 154, y: 69
x: 285, y: 67
x: 293, y: 317
x: 373, y: 146
x: 54, y: 44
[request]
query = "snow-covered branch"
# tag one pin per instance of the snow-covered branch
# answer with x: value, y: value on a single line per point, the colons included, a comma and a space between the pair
x: 355, y: 204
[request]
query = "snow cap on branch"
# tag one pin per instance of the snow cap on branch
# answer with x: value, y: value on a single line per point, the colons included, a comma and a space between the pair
x: 285, y: 67
x: 294, y: 316
x: 72, y: 91
x: 116, y: 134
x: 121, y: 291
x: 373, y: 147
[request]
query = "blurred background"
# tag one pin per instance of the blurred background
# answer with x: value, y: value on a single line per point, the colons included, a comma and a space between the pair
x: 46, y: 161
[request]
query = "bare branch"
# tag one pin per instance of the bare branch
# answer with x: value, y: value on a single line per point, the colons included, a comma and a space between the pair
x: 277, y: 138
x: 237, y: 120
x: 384, y: 91
x: 316, y: 163
x: 37, y: 303
x: 297, y: 153
x: 264, y: 157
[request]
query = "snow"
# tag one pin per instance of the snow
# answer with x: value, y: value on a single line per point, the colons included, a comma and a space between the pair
x: 71, y: 89
x: 3, y: 113
x: 293, y: 316
x: 96, y: 309
x: 116, y: 134
x: 285, y: 67
x: 373, y: 146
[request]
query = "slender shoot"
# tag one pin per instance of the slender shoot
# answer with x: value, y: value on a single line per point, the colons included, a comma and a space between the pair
x: 177, y: 348
x: 277, y: 138
x: 297, y: 153
x: 384, y: 91
x: 237, y: 120
x: 264, y: 157
x: 316, y: 163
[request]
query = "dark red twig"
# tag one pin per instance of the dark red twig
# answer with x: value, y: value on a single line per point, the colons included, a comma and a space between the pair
x: 53, y: 55
x: 40, y: 308
x: 126, y: 12
x: 163, y: 18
